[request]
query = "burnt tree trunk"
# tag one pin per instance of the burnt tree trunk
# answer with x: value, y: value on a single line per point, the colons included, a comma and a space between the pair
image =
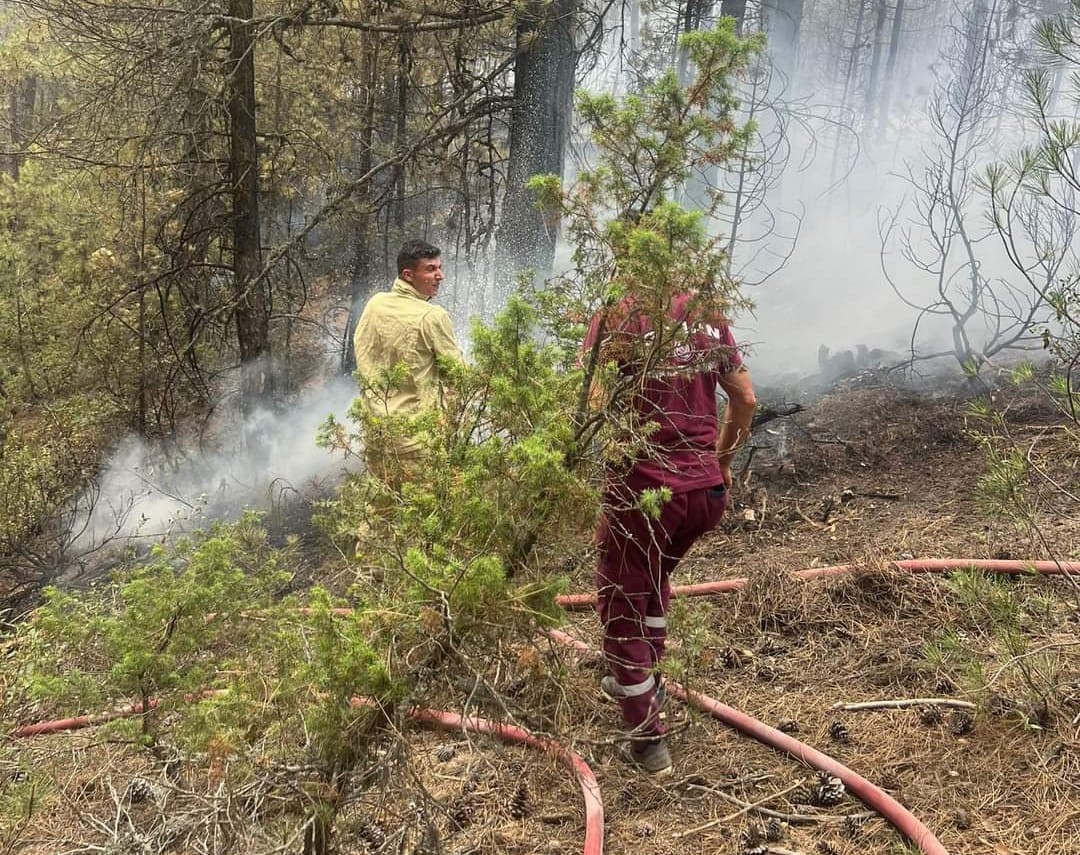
x: 539, y: 127
x: 734, y: 9
x: 691, y: 18
x: 21, y: 106
x: 849, y: 79
x: 251, y: 309
x: 400, y: 128
x: 783, y: 23
x: 697, y: 192
x: 362, y: 284
x: 870, y: 101
x: 890, y: 68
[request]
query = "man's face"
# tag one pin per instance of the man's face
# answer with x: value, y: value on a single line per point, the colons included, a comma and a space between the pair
x: 425, y: 276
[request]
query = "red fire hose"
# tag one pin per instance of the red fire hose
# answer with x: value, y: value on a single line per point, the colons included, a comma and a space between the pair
x: 873, y: 797
x: 869, y: 794
x: 590, y: 789
x: 572, y: 602
x: 438, y: 720
x: 80, y: 721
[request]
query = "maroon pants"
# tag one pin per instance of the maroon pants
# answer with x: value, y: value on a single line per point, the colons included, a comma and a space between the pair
x: 637, y: 556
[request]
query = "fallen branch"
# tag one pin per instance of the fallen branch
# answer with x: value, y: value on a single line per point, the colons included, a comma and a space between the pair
x: 744, y: 809
x: 874, y: 494
x: 901, y: 703
x: 766, y: 413
x: 790, y: 818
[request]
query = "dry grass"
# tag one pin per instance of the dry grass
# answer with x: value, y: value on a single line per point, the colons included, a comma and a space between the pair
x: 1009, y: 786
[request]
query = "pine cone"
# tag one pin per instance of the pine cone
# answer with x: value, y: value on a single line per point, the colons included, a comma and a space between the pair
x: 515, y: 687
x: 519, y: 804
x: 930, y: 715
x: 962, y: 722
x: 471, y: 783
x: 645, y: 829
x: 774, y: 830
x: 1001, y: 706
x: 838, y: 732
x: 804, y: 795
x: 464, y: 810
x: 765, y: 672
x: 753, y: 842
x: 139, y: 790
x: 828, y: 790
x: 445, y: 753
x: 788, y: 725
x: 826, y: 848
x: 732, y: 657
x: 371, y: 834
x: 853, y: 825
x: 944, y: 686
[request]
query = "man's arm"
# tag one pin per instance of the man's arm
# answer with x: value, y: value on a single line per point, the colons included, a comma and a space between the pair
x: 735, y: 429
x: 439, y: 332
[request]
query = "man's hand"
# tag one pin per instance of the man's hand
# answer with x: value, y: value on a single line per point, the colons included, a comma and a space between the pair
x: 725, y: 470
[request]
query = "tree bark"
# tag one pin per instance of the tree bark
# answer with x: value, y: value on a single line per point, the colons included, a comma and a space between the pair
x: 362, y: 282
x: 783, y: 22
x: 697, y: 190
x: 21, y: 104
x: 734, y: 9
x: 539, y: 127
x: 869, y: 101
x: 251, y: 305
x: 400, y: 128
x: 849, y: 78
x: 691, y: 18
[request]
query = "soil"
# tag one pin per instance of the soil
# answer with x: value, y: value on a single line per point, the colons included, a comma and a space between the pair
x: 865, y: 476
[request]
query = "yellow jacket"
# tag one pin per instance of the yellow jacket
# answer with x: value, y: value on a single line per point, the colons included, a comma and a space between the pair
x: 401, y: 327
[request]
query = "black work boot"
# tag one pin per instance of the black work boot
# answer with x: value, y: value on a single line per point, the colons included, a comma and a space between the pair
x: 652, y: 756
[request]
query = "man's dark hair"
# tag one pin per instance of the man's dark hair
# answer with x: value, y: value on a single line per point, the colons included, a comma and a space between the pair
x: 412, y: 251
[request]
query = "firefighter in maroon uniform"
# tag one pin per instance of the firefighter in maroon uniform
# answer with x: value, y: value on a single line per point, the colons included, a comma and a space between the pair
x: 686, y: 450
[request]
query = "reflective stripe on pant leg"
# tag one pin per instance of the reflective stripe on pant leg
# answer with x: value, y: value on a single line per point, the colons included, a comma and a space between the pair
x: 673, y: 518
x: 628, y: 653
x: 625, y: 587
x: 641, y: 688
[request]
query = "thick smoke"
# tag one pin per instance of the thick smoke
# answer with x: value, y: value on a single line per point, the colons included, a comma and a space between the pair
x: 853, y: 115
x: 145, y: 495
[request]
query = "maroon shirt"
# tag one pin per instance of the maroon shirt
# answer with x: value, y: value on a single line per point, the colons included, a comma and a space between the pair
x: 679, y: 397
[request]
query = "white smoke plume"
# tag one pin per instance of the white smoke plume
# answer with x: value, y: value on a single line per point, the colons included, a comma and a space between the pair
x: 143, y: 496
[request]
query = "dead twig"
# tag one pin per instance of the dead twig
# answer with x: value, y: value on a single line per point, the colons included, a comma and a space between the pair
x: 746, y: 807
x: 790, y: 818
x: 901, y: 703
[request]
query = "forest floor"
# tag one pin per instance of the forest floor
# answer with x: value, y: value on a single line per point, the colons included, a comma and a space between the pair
x: 864, y: 476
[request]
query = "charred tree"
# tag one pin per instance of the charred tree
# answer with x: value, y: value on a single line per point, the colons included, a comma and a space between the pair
x: 692, y: 16
x: 363, y: 266
x: 890, y: 68
x: 539, y: 128
x: 250, y: 309
x: 21, y: 104
x: 783, y: 23
x: 734, y: 9
x: 877, y: 40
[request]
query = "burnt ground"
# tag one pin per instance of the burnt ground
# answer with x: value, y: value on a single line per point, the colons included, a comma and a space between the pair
x: 864, y: 476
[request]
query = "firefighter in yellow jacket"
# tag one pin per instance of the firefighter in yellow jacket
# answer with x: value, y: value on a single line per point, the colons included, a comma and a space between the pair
x: 402, y: 327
